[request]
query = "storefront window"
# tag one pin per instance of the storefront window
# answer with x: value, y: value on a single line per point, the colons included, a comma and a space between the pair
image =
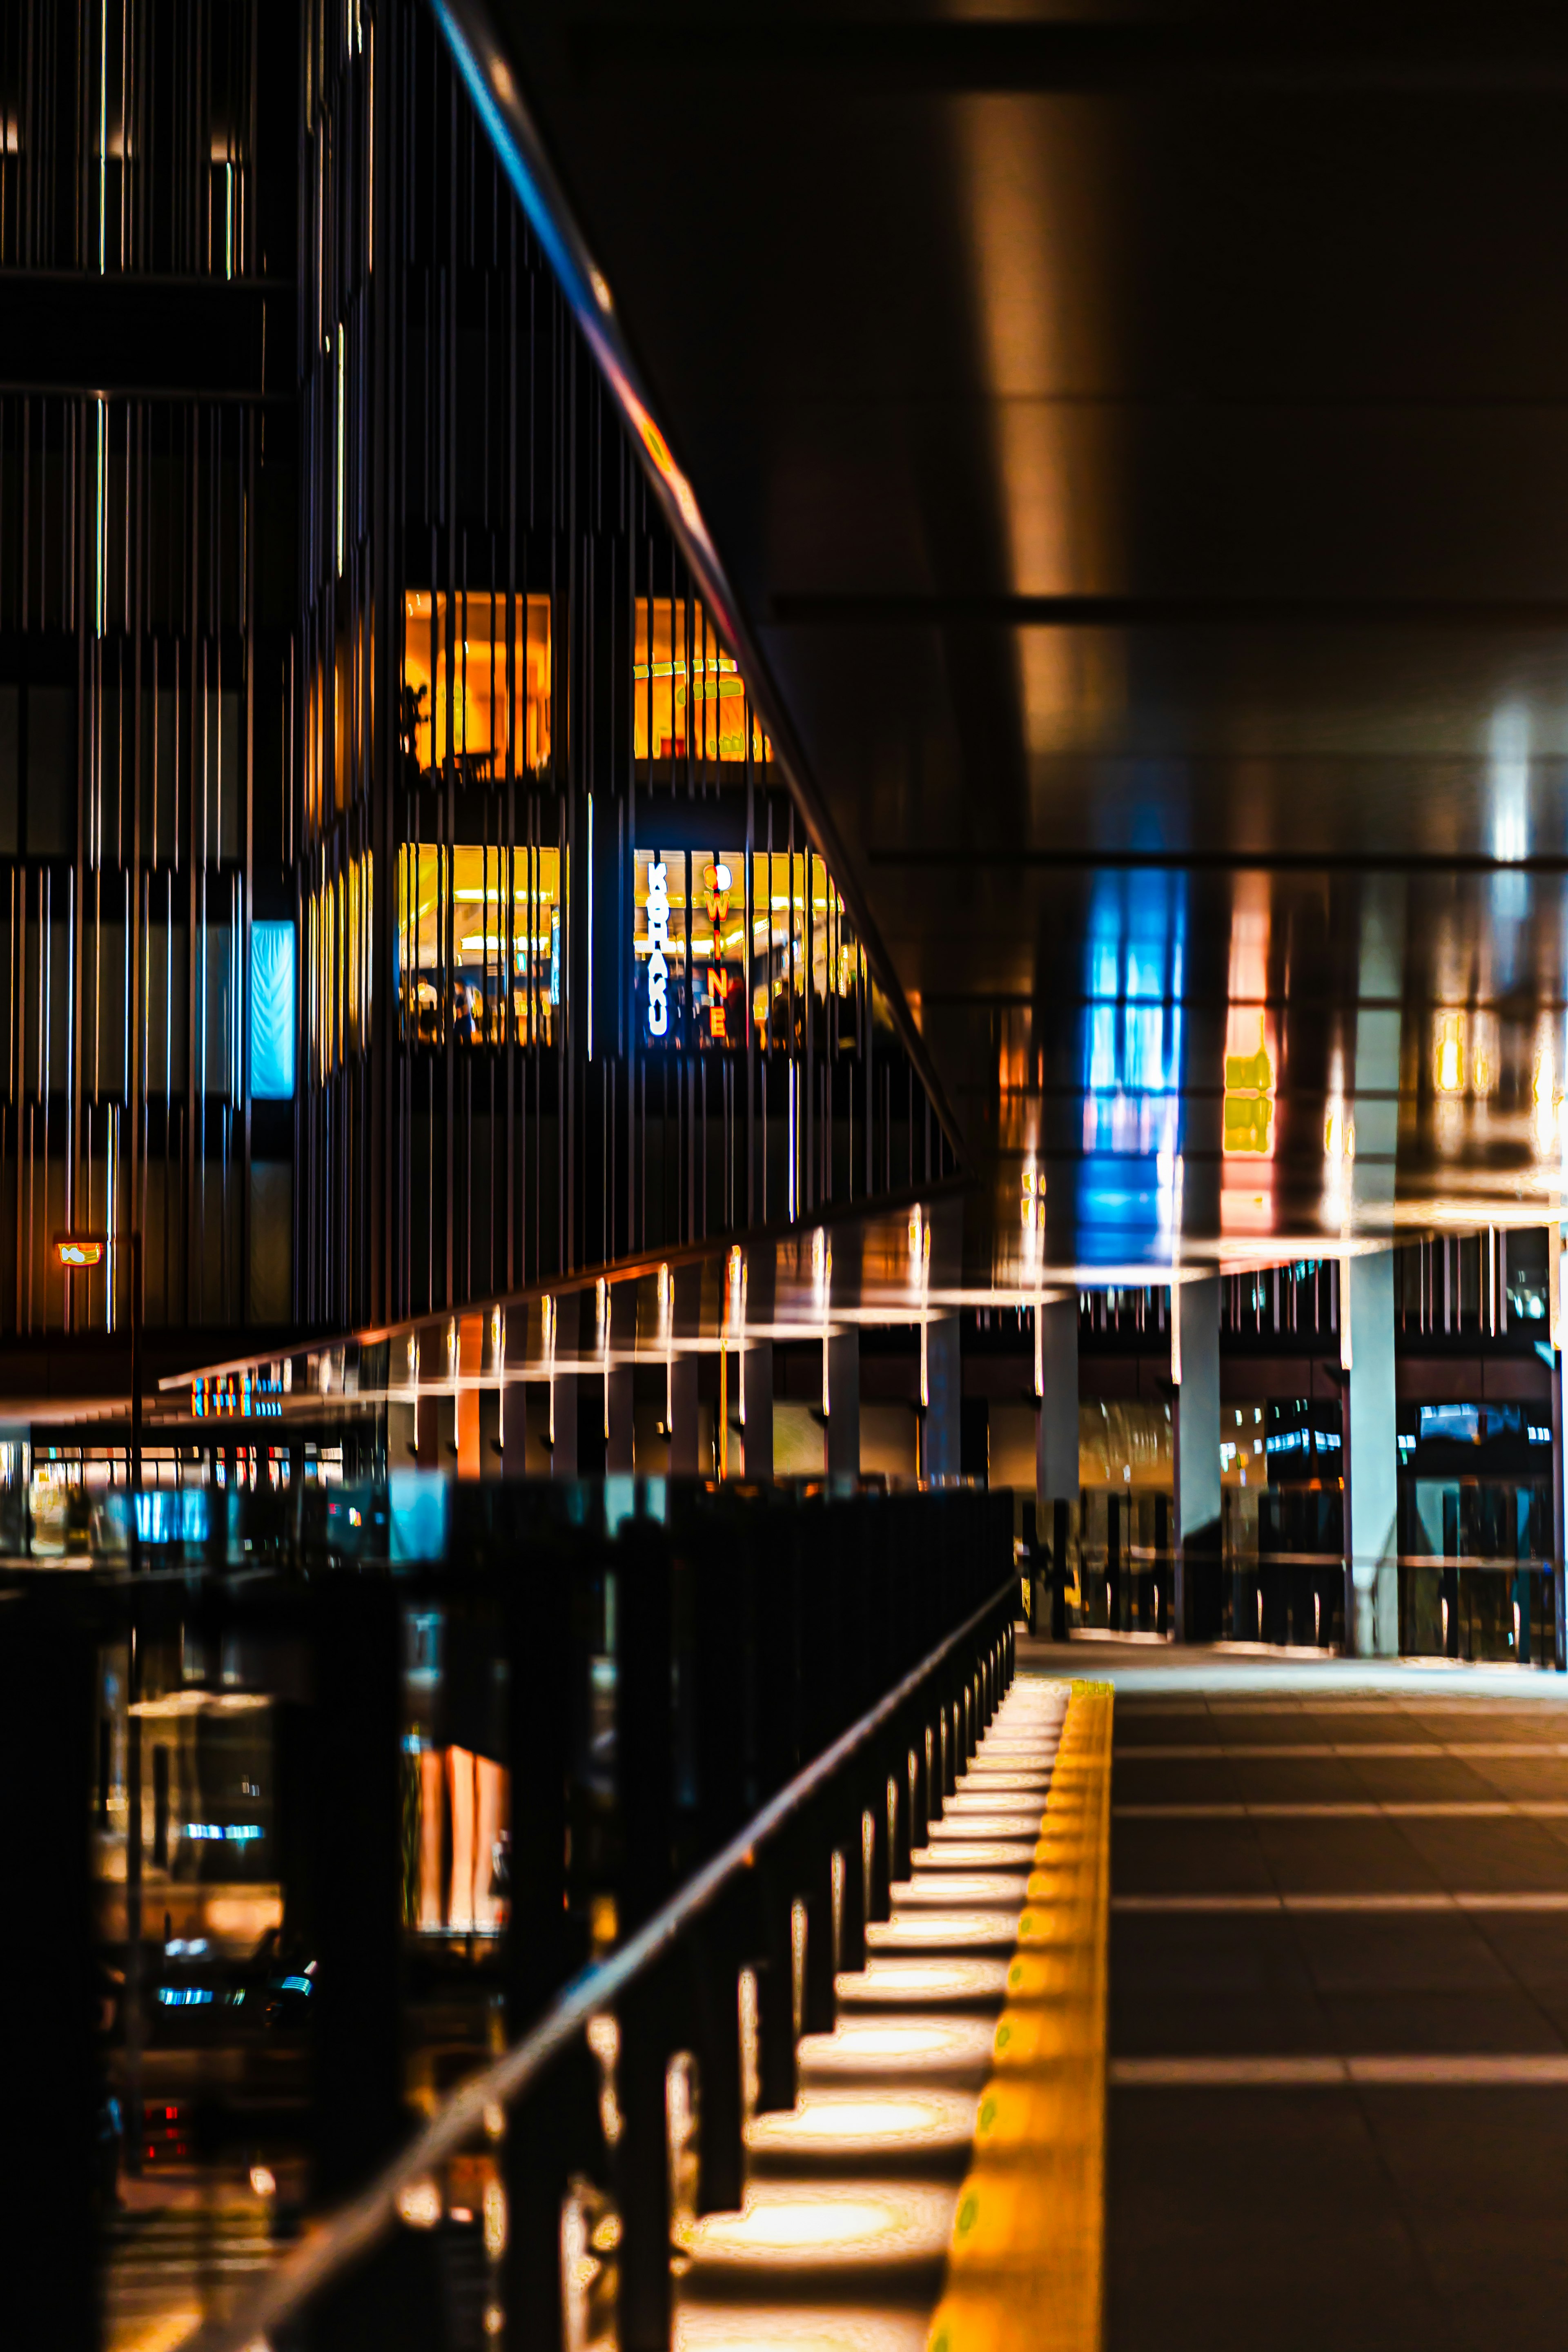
x: 688, y: 947
x: 503, y: 979
x: 483, y: 736
x: 688, y: 698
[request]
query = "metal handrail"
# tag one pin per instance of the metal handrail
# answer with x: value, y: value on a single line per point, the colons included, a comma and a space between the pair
x: 361, y: 2223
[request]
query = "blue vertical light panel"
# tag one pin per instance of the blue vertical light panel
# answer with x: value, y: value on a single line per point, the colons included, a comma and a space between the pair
x: 273, y: 1012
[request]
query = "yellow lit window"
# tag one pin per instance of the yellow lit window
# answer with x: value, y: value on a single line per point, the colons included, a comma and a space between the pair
x: 688, y: 699
x: 501, y: 975
x: 473, y: 721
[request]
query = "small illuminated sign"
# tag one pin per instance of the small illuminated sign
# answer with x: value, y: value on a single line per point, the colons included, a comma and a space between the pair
x: 659, y: 948
x: 80, y: 1249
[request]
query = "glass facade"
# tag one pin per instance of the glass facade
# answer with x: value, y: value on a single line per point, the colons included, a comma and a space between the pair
x: 350, y: 678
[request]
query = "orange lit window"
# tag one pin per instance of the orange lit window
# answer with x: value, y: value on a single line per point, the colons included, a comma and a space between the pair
x: 477, y: 714
x: 688, y: 699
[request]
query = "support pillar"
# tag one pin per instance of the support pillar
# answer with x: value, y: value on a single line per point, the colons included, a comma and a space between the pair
x: 1196, y: 1592
x: 757, y: 1439
x: 683, y: 1417
x: 401, y: 1436
x: 618, y: 1444
x: 1559, y: 1538
x: 568, y: 1400
x: 842, y: 1447
x: 939, y: 1443
x: 757, y: 1445
x: 491, y: 1403
x: 1371, y: 1456
x: 1057, y: 1489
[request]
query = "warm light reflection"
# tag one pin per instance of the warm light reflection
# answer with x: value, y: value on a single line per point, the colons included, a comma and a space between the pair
x: 797, y: 2328
x: 860, y: 2123
x: 864, y: 2046
x: 1246, y: 1198
x: 969, y: 1853
x: 937, y: 1930
x: 890, y: 2223
x: 1449, y: 1052
x: 882, y: 1981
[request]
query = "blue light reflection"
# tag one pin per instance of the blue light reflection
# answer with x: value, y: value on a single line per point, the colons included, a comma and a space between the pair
x: 1130, y: 1177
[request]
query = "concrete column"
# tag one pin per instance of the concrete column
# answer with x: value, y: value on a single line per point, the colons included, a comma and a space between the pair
x: 618, y: 1446
x: 756, y: 1448
x: 939, y: 1449
x: 1196, y: 1598
x: 1057, y: 1489
x: 400, y: 1436
x: 435, y: 1433
x: 683, y: 1417
x: 757, y: 1443
x: 1559, y: 1539
x: 530, y: 1408
x: 842, y: 1451
x: 492, y: 1430
x: 1371, y: 1455
x: 568, y: 1404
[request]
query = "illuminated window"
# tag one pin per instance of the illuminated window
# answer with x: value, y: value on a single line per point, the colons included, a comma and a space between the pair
x: 480, y: 740
x: 688, y: 699
x: 273, y: 1012
x: 689, y: 950
x: 502, y: 974
x: 338, y: 962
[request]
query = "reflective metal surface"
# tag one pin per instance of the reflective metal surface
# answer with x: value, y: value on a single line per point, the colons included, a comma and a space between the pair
x: 1137, y: 451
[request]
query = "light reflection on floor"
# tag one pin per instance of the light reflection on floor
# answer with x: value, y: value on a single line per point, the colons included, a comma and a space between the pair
x: 897, y: 2047
x: 870, y: 2225
x: 868, y: 2123
x: 839, y: 2328
x: 893, y: 2087
x: 928, y: 1888
x: 886, y: 1983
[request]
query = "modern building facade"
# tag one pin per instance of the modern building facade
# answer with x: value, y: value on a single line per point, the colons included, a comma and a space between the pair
x: 409, y: 918
x: 355, y: 710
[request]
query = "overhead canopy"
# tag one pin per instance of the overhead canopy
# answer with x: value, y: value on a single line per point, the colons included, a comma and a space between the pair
x: 1137, y: 447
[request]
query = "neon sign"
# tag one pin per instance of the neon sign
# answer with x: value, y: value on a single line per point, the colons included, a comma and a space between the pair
x: 659, y: 945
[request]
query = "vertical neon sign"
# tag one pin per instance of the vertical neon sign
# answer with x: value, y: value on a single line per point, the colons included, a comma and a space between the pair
x: 658, y: 948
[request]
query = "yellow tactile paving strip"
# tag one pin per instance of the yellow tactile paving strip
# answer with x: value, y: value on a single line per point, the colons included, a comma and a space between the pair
x: 1024, y: 2268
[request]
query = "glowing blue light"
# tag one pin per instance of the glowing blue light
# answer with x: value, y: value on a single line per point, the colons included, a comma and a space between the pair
x: 184, y: 1996
x: 272, y: 997
x: 1132, y: 1114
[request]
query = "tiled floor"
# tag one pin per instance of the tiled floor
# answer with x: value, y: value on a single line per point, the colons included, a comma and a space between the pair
x: 1415, y: 2195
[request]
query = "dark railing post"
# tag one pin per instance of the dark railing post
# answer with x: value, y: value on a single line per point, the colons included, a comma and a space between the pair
x: 644, y: 1772
x: 820, y: 2003
x: 716, y: 2030
x: 391, y: 2299
x: 920, y: 1777
x: 538, y: 1624
x: 878, y: 1888
x: 852, y: 1891
x: 898, y: 1865
x: 777, y: 2074
x: 56, y: 2172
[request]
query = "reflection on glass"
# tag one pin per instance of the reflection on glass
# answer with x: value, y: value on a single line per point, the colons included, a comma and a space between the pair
x: 478, y: 947
x: 1130, y: 1175
x: 1246, y: 1200
x: 491, y: 726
